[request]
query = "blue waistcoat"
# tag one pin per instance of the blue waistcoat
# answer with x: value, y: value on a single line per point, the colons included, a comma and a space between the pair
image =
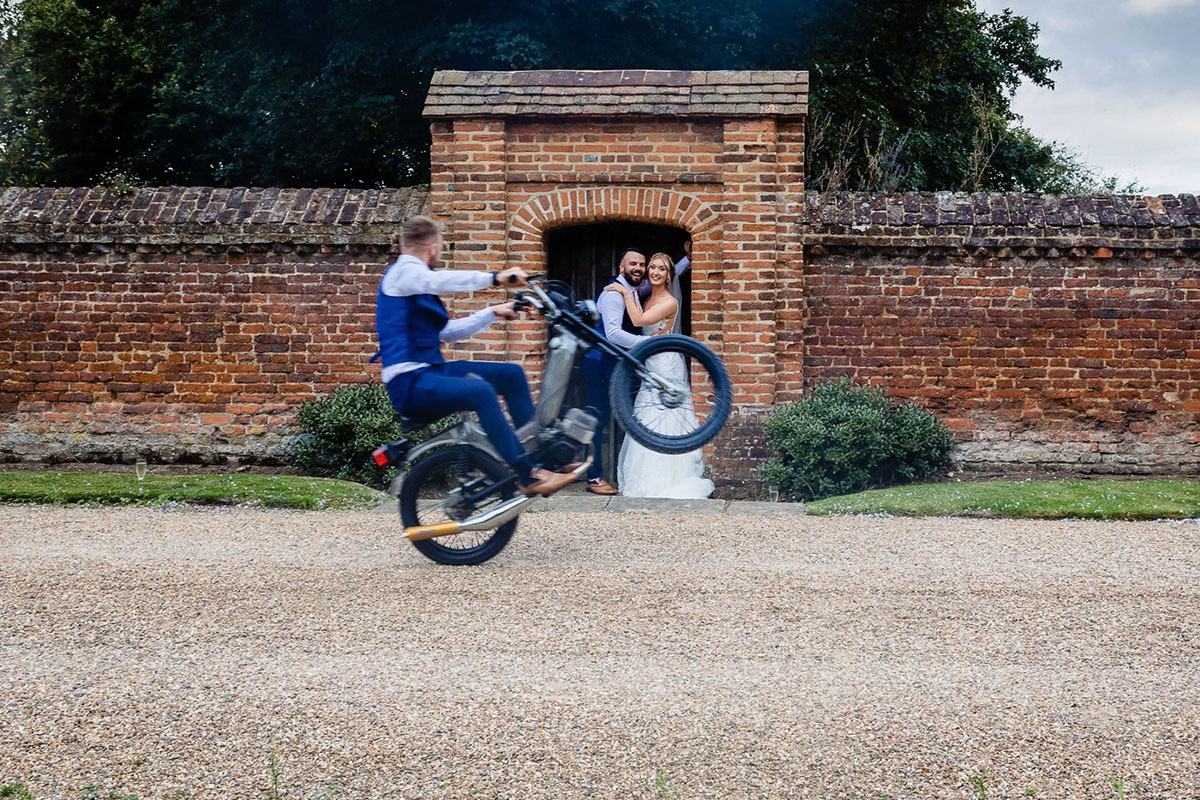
x: 408, y: 328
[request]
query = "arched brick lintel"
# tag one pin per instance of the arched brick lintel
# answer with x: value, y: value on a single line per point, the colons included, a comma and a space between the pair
x: 578, y: 206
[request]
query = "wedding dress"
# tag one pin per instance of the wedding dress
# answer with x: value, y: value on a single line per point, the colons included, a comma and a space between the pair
x: 645, y: 473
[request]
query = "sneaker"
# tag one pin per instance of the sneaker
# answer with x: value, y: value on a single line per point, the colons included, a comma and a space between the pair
x: 600, y: 486
x: 547, y: 482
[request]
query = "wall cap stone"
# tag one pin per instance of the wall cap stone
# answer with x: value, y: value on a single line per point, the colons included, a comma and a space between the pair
x: 203, y: 214
x: 1001, y: 219
x: 456, y: 93
x: 207, y: 215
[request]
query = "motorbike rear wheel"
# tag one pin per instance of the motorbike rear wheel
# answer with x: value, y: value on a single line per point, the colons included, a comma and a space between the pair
x: 431, y: 493
x: 678, y: 375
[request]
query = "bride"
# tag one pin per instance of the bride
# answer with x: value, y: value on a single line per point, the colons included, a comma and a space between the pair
x: 642, y: 472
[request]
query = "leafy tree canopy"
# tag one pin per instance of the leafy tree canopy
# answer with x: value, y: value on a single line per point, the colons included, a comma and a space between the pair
x: 907, y: 93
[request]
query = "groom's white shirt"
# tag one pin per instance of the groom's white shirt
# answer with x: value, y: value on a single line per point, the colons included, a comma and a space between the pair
x: 410, y: 275
x: 612, y: 310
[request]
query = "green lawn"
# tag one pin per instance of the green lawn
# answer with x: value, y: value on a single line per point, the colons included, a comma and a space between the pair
x: 118, y: 488
x: 1149, y: 499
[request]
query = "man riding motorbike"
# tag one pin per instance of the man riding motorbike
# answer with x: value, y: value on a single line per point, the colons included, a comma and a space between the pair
x: 412, y: 322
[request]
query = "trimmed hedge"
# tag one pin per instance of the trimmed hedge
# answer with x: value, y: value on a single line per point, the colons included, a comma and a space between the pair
x: 340, y: 431
x: 844, y: 438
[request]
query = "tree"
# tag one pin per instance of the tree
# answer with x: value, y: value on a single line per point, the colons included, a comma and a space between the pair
x: 938, y: 72
x: 329, y: 92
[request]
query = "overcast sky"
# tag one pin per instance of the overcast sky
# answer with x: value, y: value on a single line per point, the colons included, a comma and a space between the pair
x: 1128, y: 94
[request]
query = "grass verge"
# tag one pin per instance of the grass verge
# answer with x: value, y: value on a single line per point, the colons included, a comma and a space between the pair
x: 102, y: 488
x: 1150, y: 499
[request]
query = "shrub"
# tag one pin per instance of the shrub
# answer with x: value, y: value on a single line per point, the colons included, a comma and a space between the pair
x: 340, y: 431
x: 844, y: 438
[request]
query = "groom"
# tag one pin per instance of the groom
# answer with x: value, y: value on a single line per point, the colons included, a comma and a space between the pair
x: 620, y: 330
x: 598, y: 366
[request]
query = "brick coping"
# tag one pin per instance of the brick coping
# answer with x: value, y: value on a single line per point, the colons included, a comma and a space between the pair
x: 864, y: 211
x: 340, y: 216
x: 203, y: 214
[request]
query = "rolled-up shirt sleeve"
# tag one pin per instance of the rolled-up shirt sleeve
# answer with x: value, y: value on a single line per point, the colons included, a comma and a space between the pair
x: 463, y: 327
x: 409, y: 276
x: 612, y: 310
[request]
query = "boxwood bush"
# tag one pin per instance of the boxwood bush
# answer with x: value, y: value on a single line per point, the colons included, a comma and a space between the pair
x: 845, y: 438
x: 340, y: 431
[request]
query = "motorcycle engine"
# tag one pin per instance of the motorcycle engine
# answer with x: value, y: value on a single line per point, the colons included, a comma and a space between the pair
x: 568, y: 440
x: 561, y: 452
x: 579, y: 425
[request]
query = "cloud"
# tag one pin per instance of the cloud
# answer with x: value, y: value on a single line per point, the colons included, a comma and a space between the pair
x: 1127, y: 97
x: 1151, y: 7
x: 1155, y: 145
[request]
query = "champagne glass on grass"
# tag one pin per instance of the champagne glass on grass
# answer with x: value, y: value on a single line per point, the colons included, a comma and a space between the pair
x: 140, y: 469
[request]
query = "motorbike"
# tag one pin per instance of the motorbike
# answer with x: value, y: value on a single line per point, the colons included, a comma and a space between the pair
x: 459, y: 502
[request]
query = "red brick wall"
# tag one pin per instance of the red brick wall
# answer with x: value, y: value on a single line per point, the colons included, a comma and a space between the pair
x: 1051, y: 333
x: 187, y: 323
x: 594, y: 150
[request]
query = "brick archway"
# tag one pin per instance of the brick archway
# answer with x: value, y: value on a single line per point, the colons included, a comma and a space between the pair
x: 545, y: 211
x: 517, y: 157
x: 575, y: 206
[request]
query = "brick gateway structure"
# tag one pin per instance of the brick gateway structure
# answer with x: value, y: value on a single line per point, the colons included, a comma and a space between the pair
x: 1051, y: 333
x: 718, y: 155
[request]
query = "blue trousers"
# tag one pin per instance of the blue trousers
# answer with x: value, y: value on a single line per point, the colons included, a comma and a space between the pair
x: 597, y: 372
x: 437, y: 390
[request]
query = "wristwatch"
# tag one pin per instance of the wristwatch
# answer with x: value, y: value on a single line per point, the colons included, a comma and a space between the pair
x: 495, y: 278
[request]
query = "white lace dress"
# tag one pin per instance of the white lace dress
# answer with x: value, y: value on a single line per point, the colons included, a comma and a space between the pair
x: 644, y: 473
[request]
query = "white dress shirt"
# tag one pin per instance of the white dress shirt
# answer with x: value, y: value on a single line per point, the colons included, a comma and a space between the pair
x: 612, y: 311
x: 410, y: 275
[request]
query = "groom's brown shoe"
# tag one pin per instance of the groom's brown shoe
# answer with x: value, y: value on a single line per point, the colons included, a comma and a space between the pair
x: 600, y: 486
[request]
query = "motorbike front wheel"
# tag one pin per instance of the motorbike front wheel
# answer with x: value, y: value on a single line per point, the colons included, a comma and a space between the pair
x: 433, y: 492
x: 677, y: 400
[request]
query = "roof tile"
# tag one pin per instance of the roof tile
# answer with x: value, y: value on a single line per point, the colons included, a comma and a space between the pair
x: 454, y: 93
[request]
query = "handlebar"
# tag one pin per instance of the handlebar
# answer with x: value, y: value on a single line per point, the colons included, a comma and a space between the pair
x: 511, y: 280
x: 536, y: 296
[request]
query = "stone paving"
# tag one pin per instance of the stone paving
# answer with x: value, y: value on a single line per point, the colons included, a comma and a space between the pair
x: 576, y: 499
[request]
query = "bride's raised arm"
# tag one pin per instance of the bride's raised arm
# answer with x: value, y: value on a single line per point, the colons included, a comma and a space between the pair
x: 641, y: 318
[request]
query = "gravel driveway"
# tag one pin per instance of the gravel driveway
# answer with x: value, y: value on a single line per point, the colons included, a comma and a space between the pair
x: 231, y: 653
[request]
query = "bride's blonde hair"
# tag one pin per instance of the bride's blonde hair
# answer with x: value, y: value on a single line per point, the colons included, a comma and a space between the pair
x: 669, y: 264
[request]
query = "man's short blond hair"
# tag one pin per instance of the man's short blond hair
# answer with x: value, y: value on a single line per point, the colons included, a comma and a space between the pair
x: 418, y: 231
